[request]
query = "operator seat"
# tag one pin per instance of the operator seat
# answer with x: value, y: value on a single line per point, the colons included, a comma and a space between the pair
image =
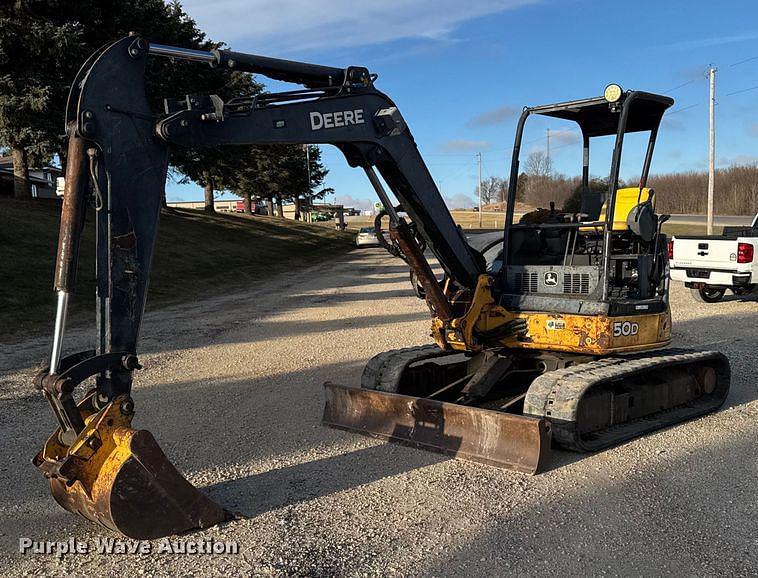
x: 634, y: 211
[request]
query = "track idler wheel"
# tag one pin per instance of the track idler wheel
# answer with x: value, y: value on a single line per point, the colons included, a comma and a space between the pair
x: 118, y: 477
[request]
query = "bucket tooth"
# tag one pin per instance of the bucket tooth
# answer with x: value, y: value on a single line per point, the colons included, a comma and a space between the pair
x: 496, y: 438
x: 120, y: 478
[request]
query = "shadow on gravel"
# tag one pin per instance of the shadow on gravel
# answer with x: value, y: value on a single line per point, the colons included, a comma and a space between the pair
x: 751, y: 298
x: 338, y: 297
x: 254, y: 495
x: 375, y: 276
x: 677, y: 511
x: 379, y: 268
x: 223, y: 427
x: 277, y: 329
x: 734, y: 336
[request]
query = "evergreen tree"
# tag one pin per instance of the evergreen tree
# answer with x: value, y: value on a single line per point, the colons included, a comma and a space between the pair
x: 42, y: 45
x: 33, y: 81
x: 44, y: 42
x: 277, y: 174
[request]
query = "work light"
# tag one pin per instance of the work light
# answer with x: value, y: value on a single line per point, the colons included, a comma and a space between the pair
x: 612, y: 93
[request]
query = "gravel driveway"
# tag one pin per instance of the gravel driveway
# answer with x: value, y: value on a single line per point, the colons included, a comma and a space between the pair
x: 232, y: 390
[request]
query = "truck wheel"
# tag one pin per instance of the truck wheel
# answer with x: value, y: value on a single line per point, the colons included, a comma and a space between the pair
x: 740, y: 291
x: 709, y: 294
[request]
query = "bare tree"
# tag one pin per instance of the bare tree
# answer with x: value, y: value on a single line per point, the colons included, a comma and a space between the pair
x: 538, y: 164
x: 494, y: 190
x: 679, y: 193
x: 540, y: 191
x: 736, y: 191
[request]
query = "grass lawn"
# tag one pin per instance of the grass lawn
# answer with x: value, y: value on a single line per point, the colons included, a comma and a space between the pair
x: 470, y: 220
x: 466, y: 219
x: 197, y: 255
x: 678, y: 229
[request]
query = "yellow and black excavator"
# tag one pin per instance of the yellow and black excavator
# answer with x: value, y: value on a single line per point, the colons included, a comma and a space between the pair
x: 542, y: 334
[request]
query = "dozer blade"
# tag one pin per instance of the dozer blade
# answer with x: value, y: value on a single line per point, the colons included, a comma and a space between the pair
x: 119, y: 477
x: 496, y: 438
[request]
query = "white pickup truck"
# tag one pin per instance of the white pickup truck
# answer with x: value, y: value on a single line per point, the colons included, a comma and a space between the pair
x: 709, y: 265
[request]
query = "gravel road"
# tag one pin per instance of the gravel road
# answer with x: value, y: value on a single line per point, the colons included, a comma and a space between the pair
x: 232, y: 389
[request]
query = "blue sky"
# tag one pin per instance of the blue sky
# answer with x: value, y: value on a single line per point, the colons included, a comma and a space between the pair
x: 461, y: 71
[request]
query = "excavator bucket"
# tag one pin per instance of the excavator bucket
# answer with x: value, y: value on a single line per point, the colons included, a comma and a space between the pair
x: 496, y: 438
x: 118, y: 477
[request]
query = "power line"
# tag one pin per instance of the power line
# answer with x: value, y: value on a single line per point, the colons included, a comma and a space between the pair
x: 461, y: 172
x: 741, y: 91
x: 450, y: 154
x: 743, y: 61
x: 678, y: 86
x: 692, y: 81
x: 568, y: 144
x: 682, y: 109
x: 449, y: 163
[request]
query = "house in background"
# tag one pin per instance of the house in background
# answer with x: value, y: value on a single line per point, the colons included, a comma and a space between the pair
x: 42, y: 180
x: 221, y: 206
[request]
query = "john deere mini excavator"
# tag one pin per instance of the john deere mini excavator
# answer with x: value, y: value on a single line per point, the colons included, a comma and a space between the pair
x: 545, y: 332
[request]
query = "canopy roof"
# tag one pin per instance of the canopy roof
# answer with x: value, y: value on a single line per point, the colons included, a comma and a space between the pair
x: 597, y: 117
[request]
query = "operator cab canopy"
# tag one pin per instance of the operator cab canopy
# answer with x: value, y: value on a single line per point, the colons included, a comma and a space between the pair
x: 594, y: 241
x: 599, y: 117
x: 616, y: 113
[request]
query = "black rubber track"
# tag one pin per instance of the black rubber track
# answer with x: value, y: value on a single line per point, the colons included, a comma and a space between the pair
x: 556, y: 395
x: 384, y: 371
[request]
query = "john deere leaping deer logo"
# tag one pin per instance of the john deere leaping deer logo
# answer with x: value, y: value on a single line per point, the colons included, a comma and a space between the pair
x: 551, y: 279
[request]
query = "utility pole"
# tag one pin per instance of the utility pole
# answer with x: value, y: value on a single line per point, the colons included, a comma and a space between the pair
x: 711, y: 145
x: 308, y: 172
x: 308, y: 166
x: 549, y: 168
x: 479, y: 158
